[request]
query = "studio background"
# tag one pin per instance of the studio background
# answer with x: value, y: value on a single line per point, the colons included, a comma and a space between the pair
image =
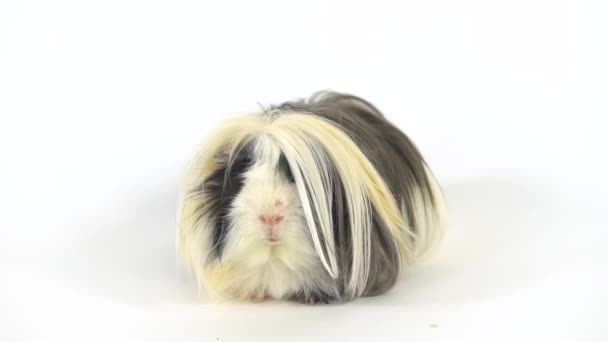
x: 103, y: 102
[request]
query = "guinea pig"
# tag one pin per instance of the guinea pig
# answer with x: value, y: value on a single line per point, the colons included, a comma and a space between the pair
x: 318, y: 199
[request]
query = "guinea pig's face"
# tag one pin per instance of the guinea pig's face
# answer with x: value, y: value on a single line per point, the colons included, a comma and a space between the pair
x: 267, y: 209
x: 265, y: 219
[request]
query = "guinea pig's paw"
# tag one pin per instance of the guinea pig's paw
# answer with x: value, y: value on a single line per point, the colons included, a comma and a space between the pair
x: 257, y: 298
x: 311, y: 299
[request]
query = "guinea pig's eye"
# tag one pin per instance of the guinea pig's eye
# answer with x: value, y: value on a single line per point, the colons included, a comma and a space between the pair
x: 284, y: 169
x: 245, y: 160
x: 241, y: 158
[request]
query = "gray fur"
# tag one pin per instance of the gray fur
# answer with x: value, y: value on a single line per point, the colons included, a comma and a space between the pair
x: 396, y: 159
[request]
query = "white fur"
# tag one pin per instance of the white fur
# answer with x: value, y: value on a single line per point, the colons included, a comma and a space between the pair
x: 260, y: 268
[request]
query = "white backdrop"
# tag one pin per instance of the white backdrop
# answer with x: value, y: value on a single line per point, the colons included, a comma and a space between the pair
x: 103, y: 102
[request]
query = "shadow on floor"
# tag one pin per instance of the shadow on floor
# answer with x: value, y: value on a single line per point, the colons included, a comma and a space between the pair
x: 493, y: 245
x: 489, y: 249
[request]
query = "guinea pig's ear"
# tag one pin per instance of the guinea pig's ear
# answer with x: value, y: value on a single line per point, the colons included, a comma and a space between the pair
x: 211, y: 165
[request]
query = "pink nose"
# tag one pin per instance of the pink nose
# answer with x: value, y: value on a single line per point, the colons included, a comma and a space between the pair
x: 271, y: 226
x: 271, y: 220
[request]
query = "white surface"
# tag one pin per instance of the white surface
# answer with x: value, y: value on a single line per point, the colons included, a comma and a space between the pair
x: 102, y: 103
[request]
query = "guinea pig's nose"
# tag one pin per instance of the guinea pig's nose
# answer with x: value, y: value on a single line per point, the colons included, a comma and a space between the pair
x: 270, y: 220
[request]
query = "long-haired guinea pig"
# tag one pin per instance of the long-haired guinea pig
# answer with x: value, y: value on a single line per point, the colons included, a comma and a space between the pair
x: 312, y: 200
